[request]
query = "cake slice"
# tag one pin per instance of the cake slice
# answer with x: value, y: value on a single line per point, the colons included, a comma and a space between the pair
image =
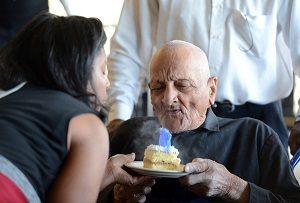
x: 162, y: 156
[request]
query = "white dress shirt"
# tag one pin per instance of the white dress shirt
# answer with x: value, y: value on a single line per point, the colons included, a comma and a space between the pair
x: 240, y: 38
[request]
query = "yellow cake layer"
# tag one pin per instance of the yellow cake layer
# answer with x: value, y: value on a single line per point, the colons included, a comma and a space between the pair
x: 158, y: 157
x: 161, y: 165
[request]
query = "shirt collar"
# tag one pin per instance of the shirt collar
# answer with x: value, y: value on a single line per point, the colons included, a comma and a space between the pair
x: 211, y: 122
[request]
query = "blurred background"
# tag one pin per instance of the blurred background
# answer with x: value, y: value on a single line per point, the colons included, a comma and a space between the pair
x: 108, y: 11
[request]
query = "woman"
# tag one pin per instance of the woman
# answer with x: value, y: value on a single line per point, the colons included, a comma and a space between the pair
x: 53, y: 146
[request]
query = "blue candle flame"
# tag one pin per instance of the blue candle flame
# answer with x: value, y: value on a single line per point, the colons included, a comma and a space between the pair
x: 164, y: 137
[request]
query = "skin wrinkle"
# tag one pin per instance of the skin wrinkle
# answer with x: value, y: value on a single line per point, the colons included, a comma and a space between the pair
x: 176, y: 92
x: 182, y: 91
x: 207, y: 176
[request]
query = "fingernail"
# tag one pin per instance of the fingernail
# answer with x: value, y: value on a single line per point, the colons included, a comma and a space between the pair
x: 153, y: 182
x: 147, y: 190
x: 187, y: 168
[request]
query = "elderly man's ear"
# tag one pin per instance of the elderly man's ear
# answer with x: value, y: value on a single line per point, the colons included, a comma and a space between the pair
x: 212, y: 83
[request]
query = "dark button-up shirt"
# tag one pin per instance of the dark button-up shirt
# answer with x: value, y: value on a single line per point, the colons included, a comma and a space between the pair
x: 246, y: 147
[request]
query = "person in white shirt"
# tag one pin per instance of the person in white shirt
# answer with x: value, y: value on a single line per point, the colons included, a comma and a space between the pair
x: 240, y: 38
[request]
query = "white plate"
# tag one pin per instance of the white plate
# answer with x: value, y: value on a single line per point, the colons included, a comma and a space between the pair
x: 138, y: 167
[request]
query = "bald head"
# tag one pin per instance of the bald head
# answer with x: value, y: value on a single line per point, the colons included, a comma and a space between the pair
x: 181, y: 87
x: 182, y: 54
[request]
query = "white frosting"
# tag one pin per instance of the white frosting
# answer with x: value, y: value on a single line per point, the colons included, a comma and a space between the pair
x: 171, y: 149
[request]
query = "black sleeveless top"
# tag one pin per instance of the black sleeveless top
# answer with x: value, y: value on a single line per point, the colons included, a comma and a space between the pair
x: 34, y: 124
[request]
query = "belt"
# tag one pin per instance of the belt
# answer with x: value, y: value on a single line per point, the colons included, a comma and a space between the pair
x: 224, y: 106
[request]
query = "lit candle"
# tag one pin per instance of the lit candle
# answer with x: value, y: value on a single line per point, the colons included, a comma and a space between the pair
x: 164, y: 137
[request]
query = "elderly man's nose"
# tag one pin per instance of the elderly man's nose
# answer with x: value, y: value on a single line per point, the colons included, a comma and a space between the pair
x: 170, y: 95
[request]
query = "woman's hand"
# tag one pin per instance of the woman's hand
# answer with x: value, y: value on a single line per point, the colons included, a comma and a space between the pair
x: 116, y: 173
x: 133, y: 193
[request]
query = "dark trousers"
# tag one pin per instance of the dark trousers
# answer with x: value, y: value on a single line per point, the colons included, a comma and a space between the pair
x: 271, y: 114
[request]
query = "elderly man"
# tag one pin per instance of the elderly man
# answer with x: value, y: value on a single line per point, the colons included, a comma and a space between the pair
x: 228, y: 160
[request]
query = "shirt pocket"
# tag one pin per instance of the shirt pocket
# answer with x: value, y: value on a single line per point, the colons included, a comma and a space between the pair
x: 252, y: 26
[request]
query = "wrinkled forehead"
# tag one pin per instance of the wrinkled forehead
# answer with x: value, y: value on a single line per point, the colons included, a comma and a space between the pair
x: 172, y: 71
x: 172, y: 67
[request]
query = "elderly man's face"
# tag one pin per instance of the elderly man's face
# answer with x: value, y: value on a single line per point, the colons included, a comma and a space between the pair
x: 180, y: 91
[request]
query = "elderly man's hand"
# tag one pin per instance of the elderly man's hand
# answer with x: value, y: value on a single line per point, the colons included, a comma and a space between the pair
x: 133, y: 194
x: 116, y: 173
x: 210, y: 179
x: 294, y: 139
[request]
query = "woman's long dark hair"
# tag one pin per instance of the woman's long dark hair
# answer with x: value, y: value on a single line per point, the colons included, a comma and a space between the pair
x: 54, y: 52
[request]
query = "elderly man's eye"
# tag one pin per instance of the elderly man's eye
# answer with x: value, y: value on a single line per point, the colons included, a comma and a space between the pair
x: 160, y: 88
x: 183, y: 86
x: 156, y: 87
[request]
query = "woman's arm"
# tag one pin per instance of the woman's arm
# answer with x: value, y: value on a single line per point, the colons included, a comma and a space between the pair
x: 116, y: 173
x: 82, y: 172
